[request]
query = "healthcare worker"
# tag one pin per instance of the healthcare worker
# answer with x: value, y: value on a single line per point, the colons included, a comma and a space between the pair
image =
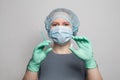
x: 62, y: 61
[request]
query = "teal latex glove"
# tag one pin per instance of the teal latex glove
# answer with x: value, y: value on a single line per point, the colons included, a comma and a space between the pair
x: 39, y: 54
x: 84, y: 52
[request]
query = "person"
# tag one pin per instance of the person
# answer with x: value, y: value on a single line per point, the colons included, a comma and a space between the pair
x: 63, y: 61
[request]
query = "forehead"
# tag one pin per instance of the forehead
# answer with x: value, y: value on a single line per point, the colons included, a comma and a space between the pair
x: 60, y: 20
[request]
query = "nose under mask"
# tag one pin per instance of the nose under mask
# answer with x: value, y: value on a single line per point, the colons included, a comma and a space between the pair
x: 61, y: 34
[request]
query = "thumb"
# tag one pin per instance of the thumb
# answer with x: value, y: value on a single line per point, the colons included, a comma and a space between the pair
x: 73, y: 50
x: 48, y: 50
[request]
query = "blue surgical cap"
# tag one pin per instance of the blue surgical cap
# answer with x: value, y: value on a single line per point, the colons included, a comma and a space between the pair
x: 63, y: 13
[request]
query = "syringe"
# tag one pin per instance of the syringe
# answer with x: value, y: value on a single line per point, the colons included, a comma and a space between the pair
x: 44, y: 38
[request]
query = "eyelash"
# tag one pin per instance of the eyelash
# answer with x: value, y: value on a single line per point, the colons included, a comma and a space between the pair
x: 58, y: 24
x: 66, y: 24
x: 54, y: 24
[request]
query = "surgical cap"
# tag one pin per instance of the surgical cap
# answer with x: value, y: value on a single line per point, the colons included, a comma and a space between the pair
x: 63, y: 13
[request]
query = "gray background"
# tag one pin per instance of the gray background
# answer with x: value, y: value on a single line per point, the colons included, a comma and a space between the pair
x: 22, y: 20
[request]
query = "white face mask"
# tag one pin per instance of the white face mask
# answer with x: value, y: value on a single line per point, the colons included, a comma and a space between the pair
x: 61, y: 34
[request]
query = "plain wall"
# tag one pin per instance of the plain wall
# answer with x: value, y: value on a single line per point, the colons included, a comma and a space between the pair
x: 22, y: 20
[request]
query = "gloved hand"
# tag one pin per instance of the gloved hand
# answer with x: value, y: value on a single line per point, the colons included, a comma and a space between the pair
x: 84, y: 52
x: 39, y: 54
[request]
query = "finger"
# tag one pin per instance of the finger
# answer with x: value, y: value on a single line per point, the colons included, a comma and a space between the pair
x: 73, y: 50
x: 87, y: 42
x: 43, y: 44
x: 48, y: 50
x: 77, y: 37
x: 80, y: 39
x: 83, y: 45
x: 86, y: 39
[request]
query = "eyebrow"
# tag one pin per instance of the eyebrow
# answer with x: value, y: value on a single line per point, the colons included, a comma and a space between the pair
x: 58, y: 22
x: 67, y: 22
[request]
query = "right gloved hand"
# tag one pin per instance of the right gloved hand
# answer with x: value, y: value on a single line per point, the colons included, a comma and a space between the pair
x: 39, y: 54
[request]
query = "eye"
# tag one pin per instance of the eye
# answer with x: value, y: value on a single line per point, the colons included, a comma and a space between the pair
x: 54, y: 24
x: 66, y: 24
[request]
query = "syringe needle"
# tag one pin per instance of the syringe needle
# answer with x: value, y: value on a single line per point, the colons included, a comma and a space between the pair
x: 44, y: 38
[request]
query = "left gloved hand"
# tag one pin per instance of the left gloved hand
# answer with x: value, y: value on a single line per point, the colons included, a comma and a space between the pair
x: 84, y: 52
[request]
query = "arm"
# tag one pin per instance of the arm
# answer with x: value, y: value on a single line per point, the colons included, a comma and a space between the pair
x: 39, y: 54
x: 93, y: 74
x: 85, y: 52
x: 30, y: 75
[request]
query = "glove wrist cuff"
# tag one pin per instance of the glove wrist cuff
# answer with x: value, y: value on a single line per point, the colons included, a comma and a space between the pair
x: 91, y: 63
x: 33, y: 67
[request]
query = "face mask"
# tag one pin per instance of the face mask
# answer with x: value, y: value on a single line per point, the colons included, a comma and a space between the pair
x: 61, y: 34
